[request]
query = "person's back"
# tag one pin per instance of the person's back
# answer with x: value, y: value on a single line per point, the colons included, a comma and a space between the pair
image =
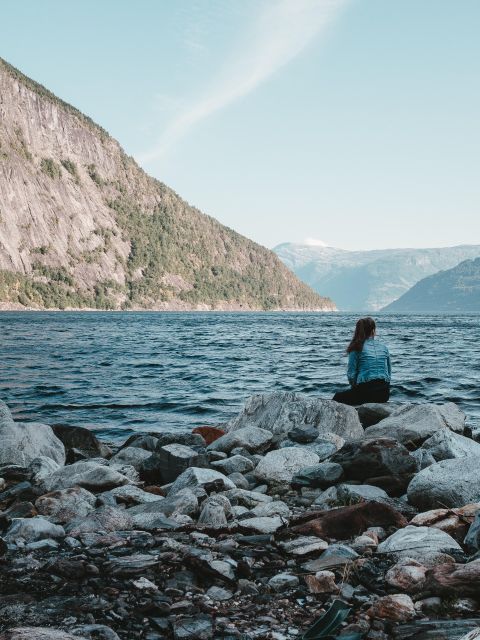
x: 369, y: 367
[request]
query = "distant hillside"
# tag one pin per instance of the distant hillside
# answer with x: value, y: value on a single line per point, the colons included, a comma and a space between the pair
x: 82, y: 225
x: 454, y: 291
x: 368, y: 280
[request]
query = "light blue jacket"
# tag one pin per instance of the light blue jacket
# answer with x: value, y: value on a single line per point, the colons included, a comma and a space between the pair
x: 371, y: 363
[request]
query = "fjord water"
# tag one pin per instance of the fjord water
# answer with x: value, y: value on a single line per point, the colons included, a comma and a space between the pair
x: 123, y: 372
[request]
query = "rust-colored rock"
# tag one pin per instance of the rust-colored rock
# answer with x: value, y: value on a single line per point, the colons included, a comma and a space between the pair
x: 397, y: 607
x: 461, y: 579
x: 347, y: 522
x: 322, y: 582
x: 455, y: 522
x: 209, y: 434
x: 407, y: 575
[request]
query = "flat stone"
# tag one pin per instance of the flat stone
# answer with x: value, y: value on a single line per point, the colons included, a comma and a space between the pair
x: 184, y: 502
x: 128, y: 494
x: 219, y: 594
x: 336, y: 555
x: 245, y: 498
x: 199, y: 627
x: 304, y: 545
x: 351, y: 493
x: 281, y: 465
x: 274, y: 508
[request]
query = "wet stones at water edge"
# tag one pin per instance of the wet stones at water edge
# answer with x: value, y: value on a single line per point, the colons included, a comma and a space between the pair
x: 249, y: 532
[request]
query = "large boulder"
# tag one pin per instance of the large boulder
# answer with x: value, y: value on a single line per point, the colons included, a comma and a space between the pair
x: 374, y: 457
x: 415, y: 423
x: 21, y: 443
x: 449, y: 483
x: 419, y: 543
x: 282, y: 412
x: 185, y: 502
x: 133, y: 456
x: 282, y: 464
x: 250, y: 438
x: 87, y: 474
x: 446, y: 444
x: 371, y: 413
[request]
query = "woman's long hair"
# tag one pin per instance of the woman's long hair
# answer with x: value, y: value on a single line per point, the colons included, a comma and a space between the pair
x: 364, y: 329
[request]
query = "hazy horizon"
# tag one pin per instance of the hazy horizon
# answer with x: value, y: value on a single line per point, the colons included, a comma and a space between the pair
x: 349, y: 121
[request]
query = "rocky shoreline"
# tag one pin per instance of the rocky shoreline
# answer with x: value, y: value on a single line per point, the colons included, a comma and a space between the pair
x: 248, y: 531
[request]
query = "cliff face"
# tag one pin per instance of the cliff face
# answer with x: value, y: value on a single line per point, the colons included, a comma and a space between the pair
x: 82, y: 225
x: 456, y: 290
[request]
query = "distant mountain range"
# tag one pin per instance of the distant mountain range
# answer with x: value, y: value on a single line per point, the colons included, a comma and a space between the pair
x: 82, y: 225
x: 368, y: 280
x: 456, y: 290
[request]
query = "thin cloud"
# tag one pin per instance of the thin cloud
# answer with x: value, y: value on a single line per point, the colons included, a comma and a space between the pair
x: 280, y: 32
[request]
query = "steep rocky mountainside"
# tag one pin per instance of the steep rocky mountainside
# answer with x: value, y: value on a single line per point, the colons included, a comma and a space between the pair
x: 368, y: 280
x: 454, y: 291
x: 82, y: 225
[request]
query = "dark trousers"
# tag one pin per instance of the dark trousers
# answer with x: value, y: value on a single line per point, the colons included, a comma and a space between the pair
x: 371, y: 391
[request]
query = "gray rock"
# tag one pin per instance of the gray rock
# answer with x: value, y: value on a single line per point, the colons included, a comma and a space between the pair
x: 82, y: 440
x: 371, y: 413
x: 184, y: 502
x: 128, y: 494
x: 351, y: 493
x: 219, y: 594
x: 283, y: 582
x: 215, y: 510
x: 327, y: 498
x: 239, y: 480
x: 420, y: 543
x: 198, y: 477
x: 169, y: 461
x: 303, y: 434
x: 281, y: 465
x: 154, y: 521
x: 304, y: 545
x: 66, y: 504
x: 42, y: 467
x: 415, y: 423
x: 199, y: 627
x: 323, y: 448
x: 95, y: 632
x: 133, y: 456
x: 47, y: 543
x: 145, y: 441
x: 472, y: 539
x: 321, y: 475
x: 423, y: 457
x: 87, y: 474
x: 179, y: 437
x: 274, y: 508
x: 336, y: 555
x: 446, y: 444
x: 39, y: 633
x: 449, y: 483
x: 245, y: 498
x: 373, y: 457
x: 282, y: 412
x: 235, y: 464
x: 31, y: 529
x: 264, y: 524
x: 102, y: 519
x: 23, y: 442
x: 249, y: 437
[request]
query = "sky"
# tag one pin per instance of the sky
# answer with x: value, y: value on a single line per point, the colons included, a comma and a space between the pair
x: 351, y: 122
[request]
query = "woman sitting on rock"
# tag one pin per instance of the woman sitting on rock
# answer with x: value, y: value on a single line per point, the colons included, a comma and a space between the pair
x: 369, y: 368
